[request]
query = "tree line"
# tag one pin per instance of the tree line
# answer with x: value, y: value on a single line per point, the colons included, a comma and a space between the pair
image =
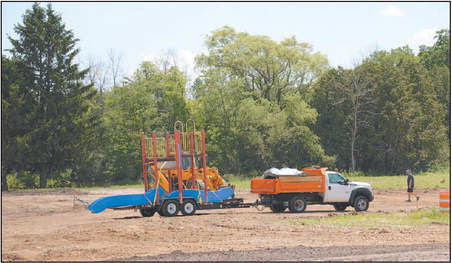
x: 261, y: 102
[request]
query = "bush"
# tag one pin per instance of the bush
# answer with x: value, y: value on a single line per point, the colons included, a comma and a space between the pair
x: 22, y: 180
x: 62, y: 179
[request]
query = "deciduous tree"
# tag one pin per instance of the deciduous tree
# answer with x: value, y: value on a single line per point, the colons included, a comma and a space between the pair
x: 250, y: 98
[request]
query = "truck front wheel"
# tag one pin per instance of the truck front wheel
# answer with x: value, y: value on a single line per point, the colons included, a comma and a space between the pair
x: 297, y: 205
x: 361, y: 203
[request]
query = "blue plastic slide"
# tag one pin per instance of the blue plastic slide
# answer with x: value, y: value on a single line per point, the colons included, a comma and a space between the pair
x: 103, y: 203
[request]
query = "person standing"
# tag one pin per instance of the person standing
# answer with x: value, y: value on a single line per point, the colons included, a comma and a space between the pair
x: 410, y: 184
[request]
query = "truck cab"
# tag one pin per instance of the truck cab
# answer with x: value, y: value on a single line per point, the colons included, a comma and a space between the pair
x: 341, y: 192
x: 285, y: 188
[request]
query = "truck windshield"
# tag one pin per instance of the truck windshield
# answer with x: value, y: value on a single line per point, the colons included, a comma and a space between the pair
x: 335, y: 178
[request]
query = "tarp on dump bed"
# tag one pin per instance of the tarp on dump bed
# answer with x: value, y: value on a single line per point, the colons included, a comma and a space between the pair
x: 283, y: 172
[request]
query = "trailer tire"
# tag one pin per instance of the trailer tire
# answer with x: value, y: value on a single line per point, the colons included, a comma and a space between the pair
x: 361, y: 203
x: 188, y: 208
x: 277, y: 208
x: 147, y: 211
x: 160, y: 212
x: 340, y: 207
x: 170, y: 208
x: 297, y: 204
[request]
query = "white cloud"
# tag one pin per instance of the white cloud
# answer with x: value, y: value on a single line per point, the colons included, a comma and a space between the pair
x: 423, y: 37
x: 391, y: 11
x: 186, y: 59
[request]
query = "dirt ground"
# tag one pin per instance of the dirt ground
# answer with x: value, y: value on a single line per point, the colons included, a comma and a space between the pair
x: 43, y: 226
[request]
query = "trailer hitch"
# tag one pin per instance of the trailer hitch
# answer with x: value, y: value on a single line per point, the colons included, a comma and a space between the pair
x: 259, y: 206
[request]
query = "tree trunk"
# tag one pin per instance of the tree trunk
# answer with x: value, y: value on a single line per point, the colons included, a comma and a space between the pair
x: 43, y: 176
x: 353, y: 156
x: 353, y: 139
x: 43, y: 180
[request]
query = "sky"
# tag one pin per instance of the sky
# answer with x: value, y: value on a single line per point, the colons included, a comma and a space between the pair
x: 345, y: 32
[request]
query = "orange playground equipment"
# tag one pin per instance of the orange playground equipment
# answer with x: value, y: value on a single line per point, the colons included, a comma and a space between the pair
x: 178, y: 161
x: 176, y: 177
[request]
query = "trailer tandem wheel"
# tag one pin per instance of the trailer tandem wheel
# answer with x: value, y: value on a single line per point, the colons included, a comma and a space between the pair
x: 147, y: 211
x: 170, y: 208
x: 188, y: 208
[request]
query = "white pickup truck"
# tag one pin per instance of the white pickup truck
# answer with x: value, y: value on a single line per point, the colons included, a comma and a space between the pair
x: 294, y: 189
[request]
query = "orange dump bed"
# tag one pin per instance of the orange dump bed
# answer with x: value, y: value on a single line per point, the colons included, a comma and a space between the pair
x: 314, y: 182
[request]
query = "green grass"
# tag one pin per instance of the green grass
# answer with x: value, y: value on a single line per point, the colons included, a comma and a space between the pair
x: 413, y: 218
x: 240, y: 182
x: 422, y: 180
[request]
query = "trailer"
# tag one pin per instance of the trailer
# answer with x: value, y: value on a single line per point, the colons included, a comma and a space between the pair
x: 176, y: 178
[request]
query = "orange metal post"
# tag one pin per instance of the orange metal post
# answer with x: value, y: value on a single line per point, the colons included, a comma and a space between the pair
x: 168, y: 150
x: 204, y: 163
x: 179, y: 164
x: 192, y: 153
x: 167, y: 144
x: 143, y: 157
x: 156, y: 171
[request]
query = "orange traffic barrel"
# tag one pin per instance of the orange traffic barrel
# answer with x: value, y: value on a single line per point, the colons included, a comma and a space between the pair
x: 444, y: 202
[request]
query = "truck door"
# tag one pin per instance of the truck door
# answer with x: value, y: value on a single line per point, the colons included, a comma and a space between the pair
x: 336, y: 189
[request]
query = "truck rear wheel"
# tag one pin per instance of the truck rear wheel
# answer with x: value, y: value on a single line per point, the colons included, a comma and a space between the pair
x: 277, y: 208
x: 170, y: 208
x: 361, y: 204
x: 297, y: 205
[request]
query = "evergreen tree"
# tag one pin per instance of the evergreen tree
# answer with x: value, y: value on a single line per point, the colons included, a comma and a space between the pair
x: 58, y: 108
x: 408, y: 127
x: 15, y: 106
x: 393, y: 113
